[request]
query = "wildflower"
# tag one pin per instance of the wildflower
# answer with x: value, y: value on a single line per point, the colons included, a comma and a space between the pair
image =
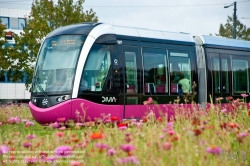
x: 62, y: 128
x: 4, y: 149
x: 169, y: 126
x: 54, y: 125
x: 29, y: 123
x: 30, y: 136
x: 60, y: 134
x: 197, y: 132
x: 244, y: 95
x: 248, y: 113
x: 102, y: 147
x: 128, y: 139
x: 127, y: 148
x: 14, y: 120
x: 111, y: 152
x: 96, y: 136
x: 61, y: 120
x: 51, y: 158
x: 27, y: 144
x: 1, y: 123
x: 229, y: 98
x: 224, y: 110
x: 242, y: 135
x: 171, y: 132
x: 63, y: 151
x: 129, y: 159
x: 114, y: 119
x: 150, y: 100
x: 166, y: 145
x: 122, y: 126
x: 214, y: 150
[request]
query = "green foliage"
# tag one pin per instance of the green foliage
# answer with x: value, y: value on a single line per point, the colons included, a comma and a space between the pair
x: 45, y: 16
x: 242, y: 32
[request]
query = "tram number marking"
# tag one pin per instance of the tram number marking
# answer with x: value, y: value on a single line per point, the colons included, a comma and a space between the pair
x: 108, y: 99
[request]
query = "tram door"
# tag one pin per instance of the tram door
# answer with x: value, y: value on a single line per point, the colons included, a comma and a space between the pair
x: 221, y: 75
x: 131, y: 94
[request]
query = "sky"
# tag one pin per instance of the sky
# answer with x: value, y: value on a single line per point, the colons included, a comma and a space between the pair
x: 191, y: 16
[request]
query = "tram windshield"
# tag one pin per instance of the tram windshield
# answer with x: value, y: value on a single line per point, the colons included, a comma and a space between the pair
x: 56, y: 64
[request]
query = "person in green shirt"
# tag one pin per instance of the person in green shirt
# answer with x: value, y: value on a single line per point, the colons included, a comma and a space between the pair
x: 185, y: 84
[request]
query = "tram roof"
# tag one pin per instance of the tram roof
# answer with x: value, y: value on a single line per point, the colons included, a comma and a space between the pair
x: 218, y: 41
x: 125, y: 32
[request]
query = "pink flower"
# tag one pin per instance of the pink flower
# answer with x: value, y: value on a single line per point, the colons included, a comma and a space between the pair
x: 63, y: 151
x: 4, y: 149
x: 54, y: 125
x: 166, y: 145
x: 14, y: 120
x: 1, y: 123
x: 127, y: 147
x: 111, y: 152
x: 27, y: 144
x: 61, y: 119
x: 62, y: 128
x: 102, y: 146
x: 242, y: 135
x: 30, y: 136
x: 224, y: 110
x: 244, y: 95
x: 169, y: 126
x: 214, y: 150
x: 150, y: 100
x: 171, y: 132
x: 29, y: 123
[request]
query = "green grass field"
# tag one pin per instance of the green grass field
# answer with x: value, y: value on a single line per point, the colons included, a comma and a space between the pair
x: 218, y: 136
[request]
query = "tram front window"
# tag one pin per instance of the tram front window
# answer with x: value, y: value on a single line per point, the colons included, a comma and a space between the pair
x: 56, y: 64
x: 96, y: 69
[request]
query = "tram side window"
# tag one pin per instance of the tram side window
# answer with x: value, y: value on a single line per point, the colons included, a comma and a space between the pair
x: 131, y: 72
x: 216, y: 74
x: 240, y: 76
x: 155, y: 71
x: 96, y: 69
x: 180, y: 72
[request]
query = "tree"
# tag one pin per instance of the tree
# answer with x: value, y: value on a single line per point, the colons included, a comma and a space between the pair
x: 45, y: 16
x: 242, y: 32
x: 5, y: 49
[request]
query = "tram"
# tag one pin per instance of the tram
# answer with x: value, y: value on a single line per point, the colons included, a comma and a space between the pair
x: 92, y: 69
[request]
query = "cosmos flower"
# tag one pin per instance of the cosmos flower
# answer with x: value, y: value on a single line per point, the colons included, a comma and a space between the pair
x: 63, y: 151
x: 111, y: 152
x: 4, y: 149
x: 27, y: 144
x: 244, y: 95
x: 13, y: 120
x: 29, y: 123
x: 166, y: 145
x: 127, y: 147
x: 214, y: 150
x: 30, y: 136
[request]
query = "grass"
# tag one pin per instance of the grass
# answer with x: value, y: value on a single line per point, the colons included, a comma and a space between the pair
x: 217, y: 136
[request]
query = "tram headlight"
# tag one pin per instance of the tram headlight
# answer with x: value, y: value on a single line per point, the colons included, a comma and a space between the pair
x: 64, y: 97
x: 59, y: 99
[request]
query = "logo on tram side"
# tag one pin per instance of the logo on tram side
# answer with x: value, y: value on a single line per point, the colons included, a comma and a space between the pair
x: 108, y: 99
x: 44, y: 102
